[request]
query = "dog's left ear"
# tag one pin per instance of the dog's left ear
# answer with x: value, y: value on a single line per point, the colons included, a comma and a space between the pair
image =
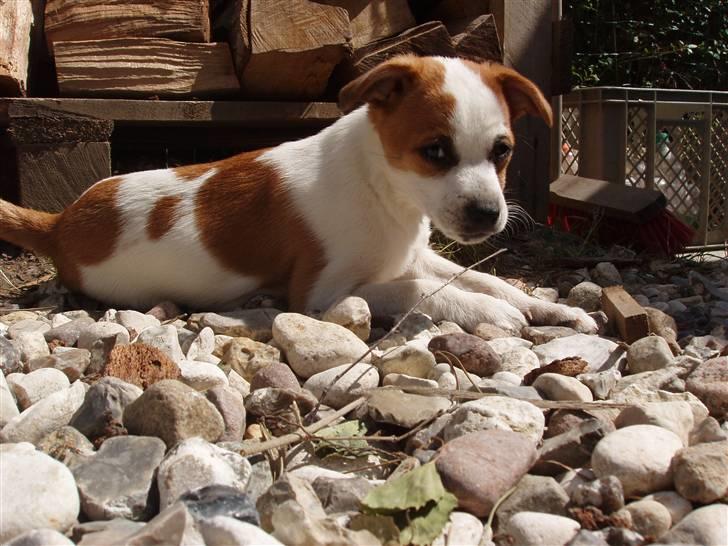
x: 522, y: 95
x: 382, y: 86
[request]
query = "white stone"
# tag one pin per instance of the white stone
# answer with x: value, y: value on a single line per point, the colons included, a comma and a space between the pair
x: 31, y: 345
x: 221, y: 342
x: 350, y: 386
x: 225, y: 531
x: 238, y: 383
x: 647, y: 517
x: 707, y: 526
x: 353, y: 314
x: 45, y: 416
x: 25, y: 326
x: 678, y: 506
x: 447, y: 381
x: 546, y: 294
x: 462, y: 529
x: 33, y: 387
x: 554, y: 386
x: 464, y: 380
x: 674, y: 416
x: 508, y: 377
x: 496, y: 412
x: 195, y: 463
x: 519, y: 361
x: 201, y: 375
x: 586, y: 295
x: 600, y: 353
x: 99, y: 331
x: 404, y: 380
x: 40, y: 537
x: 409, y: 359
x: 639, y: 456
x: 8, y: 405
x: 540, y: 529
x: 638, y: 395
x: 203, y: 344
x: 36, y: 492
x: 135, y: 322
x: 165, y: 339
x: 503, y: 345
x: 648, y: 354
x: 312, y: 346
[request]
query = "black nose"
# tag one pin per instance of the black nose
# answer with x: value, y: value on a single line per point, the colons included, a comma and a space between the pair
x: 480, y: 215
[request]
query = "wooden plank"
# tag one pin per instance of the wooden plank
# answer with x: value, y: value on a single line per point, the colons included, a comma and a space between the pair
x: 457, y: 10
x: 16, y: 21
x: 144, y: 67
x: 624, y: 313
x: 476, y: 39
x: 375, y: 19
x: 144, y: 112
x: 287, y: 49
x: 71, y: 20
x: 427, y: 39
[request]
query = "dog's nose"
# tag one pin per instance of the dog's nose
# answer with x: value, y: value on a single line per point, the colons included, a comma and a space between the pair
x: 481, y: 216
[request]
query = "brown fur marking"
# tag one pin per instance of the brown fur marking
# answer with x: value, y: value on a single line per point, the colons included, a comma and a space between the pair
x: 163, y: 216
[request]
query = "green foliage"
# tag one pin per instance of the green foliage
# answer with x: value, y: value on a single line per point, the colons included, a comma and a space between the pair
x: 347, y: 429
x: 680, y: 44
x: 416, y: 502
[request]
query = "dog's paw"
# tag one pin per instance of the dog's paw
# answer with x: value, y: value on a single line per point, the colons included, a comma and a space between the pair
x: 557, y: 314
x: 501, y: 314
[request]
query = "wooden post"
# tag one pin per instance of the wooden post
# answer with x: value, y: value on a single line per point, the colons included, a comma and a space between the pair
x: 58, y: 156
x: 16, y: 21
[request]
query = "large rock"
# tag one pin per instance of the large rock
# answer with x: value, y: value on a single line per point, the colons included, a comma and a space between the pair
x: 648, y: 354
x: 173, y: 412
x: 104, y: 403
x: 196, y: 463
x: 496, y: 412
x: 701, y: 472
x: 33, y: 387
x: 174, y: 525
x: 706, y: 526
x: 312, y: 346
x: 67, y: 334
x: 601, y: 354
x: 115, y: 482
x: 709, y: 382
x: 36, y: 492
x: 45, y: 416
x: 475, y: 354
x: 31, y: 345
x: 674, y: 416
x: 347, y: 388
x: 353, y: 314
x: 501, y: 458
x: 639, y: 456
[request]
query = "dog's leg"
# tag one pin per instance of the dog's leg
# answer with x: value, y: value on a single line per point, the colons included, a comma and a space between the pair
x: 430, y: 265
x: 467, y: 309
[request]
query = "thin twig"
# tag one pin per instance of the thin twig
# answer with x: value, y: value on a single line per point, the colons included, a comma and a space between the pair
x: 447, y: 355
x: 7, y: 280
x: 404, y: 317
x: 304, y: 434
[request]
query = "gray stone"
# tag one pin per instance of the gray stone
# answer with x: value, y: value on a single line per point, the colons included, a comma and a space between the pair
x: 360, y: 378
x: 519, y: 361
x: 229, y: 403
x: 224, y: 531
x: 674, y: 416
x: 605, y: 493
x: 554, y: 386
x: 538, y: 529
x: 66, y: 445
x: 489, y: 332
x: 288, y: 488
x: 405, y: 410
x: 195, y: 463
x: 648, y: 517
x: 496, y: 412
x: 136, y: 322
x: 36, y: 492
x: 201, y: 375
x: 572, y: 448
x: 538, y: 335
x: 99, y: 339
x: 31, y: 345
x: 220, y: 500
x: 701, y: 472
x: 34, y: 386
x: 416, y: 326
x: 546, y: 294
x: 172, y: 411
x: 45, y: 416
x: 8, y: 405
x: 601, y: 354
x: 341, y: 495
x: 706, y: 526
x: 261, y: 478
x: 588, y: 538
x: 9, y: 357
x: 677, y: 506
x: 104, y: 532
x: 104, y: 405
x: 648, y: 354
x: 277, y: 404
x: 115, y: 482
x: 586, y: 295
x: 707, y: 431
x: 26, y: 326
x: 201, y: 346
x: 173, y: 526
x: 709, y: 382
x: 600, y: 383
x: 67, y: 334
x: 410, y: 359
x: 605, y: 274
x: 404, y: 381
x: 165, y: 339
x: 502, y: 458
x: 639, y: 456
x: 475, y: 354
x: 71, y: 361
x: 505, y: 344
x: 248, y: 357
x: 533, y: 494
x: 256, y: 324
x: 277, y: 375
x: 40, y: 537
x: 353, y: 314
x: 238, y: 383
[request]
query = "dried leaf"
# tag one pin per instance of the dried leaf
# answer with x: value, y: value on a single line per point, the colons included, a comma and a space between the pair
x: 426, y: 525
x: 411, y: 490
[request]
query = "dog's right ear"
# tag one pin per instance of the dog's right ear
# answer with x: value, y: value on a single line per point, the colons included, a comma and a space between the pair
x: 382, y: 86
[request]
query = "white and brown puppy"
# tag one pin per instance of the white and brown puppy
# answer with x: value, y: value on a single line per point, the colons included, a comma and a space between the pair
x: 346, y: 211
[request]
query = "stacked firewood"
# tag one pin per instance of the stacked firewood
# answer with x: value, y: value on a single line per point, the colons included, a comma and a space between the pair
x: 246, y: 49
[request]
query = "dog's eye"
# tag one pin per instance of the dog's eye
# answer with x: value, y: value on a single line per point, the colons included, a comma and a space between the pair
x: 439, y: 153
x: 501, y: 150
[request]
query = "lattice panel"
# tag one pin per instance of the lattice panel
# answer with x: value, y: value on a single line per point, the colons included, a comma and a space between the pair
x: 678, y: 168
x: 636, y: 157
x: 570, y: 140
x: 718, y: 171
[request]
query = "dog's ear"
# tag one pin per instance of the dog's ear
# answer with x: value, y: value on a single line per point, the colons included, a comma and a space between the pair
x: 521, y: 94
x: 382, y: 86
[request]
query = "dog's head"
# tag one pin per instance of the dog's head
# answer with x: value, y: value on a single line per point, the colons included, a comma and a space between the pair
x: 445, y: 126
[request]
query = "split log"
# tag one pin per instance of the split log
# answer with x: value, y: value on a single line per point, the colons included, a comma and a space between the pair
x: 428, y: 39
x: 373, y: 20
x: 287, y: 49
x: 476, y: 39
x: 144, y: 67
x: 16, y: 22
x: 71, y: 20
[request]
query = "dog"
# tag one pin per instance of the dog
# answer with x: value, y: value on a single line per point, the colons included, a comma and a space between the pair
x: 424, y: 140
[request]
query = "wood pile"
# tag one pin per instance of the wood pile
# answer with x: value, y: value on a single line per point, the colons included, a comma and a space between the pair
x: 241, y: 49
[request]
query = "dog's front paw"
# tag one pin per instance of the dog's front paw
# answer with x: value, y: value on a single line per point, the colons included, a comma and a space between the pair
x: 498, y: 313
x: 557, y: 314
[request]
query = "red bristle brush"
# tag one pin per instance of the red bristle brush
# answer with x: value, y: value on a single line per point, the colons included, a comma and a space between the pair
x: 628, y: 215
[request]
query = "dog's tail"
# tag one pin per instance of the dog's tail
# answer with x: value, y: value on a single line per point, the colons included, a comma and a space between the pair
x: 28, y: 228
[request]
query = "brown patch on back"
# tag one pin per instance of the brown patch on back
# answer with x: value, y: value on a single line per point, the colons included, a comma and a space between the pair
x: 162, y: 216
x: 189, y: 173
x: 417, y: 119
x: 248, y: 222
x: 87, y: 231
